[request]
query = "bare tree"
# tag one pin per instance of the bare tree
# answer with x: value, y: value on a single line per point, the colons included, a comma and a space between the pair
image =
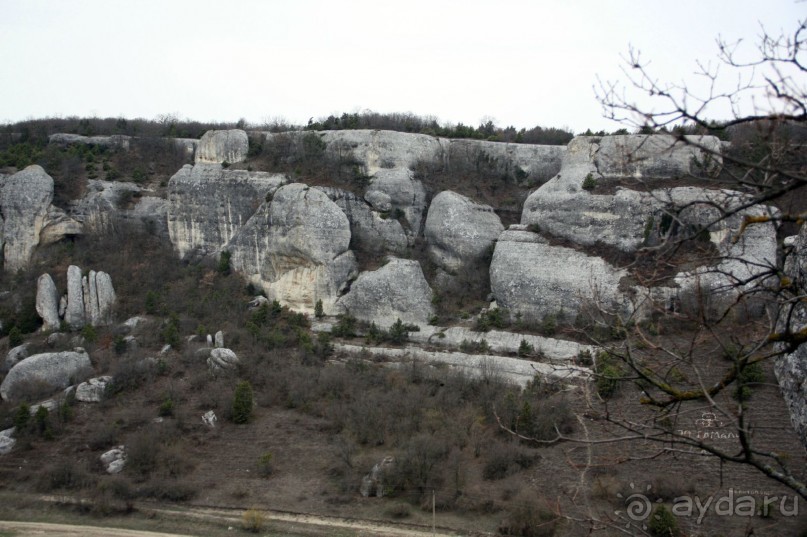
x: 701, y: 364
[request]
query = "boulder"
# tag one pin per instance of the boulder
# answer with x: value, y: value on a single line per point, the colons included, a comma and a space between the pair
x: 114, y: 460
x: 221, y: 359
x: 396, y: 290
x: 47, y: 303
x: 209, y: 418
x: 208, y: 205
x: 93, y: 390
x: 460, y: 232
x: 24, y: 201
x: 532, y: 278
x: 296, y: 249
x: 7, y: 441
x: 371, y: 232
x: 15, y: 356
x: 219, y: 339
x: 217, y: 147
x: 397, y: 193
x: 45, y: 373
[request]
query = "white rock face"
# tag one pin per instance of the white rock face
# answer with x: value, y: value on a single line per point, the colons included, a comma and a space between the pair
x: 58, y: 225
x: 371, y: 231
x: 24, y: 201
x: 530, y: 277
x: 217, y: 147
x: 219, y: 339
x: 47, y: 303
x: 562, y: 207
x: 460, y: 232
x: 377, y: 150
x: 296, y: 248
x: 396, y: 290
x: 107, y: 204
x: 208, y: 205
x: 221, y: 359
x: 397, y: 190
x: 92, y: 391
x: 42, y: 373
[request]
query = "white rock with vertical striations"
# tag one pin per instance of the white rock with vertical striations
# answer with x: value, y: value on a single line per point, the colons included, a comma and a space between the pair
x: 296, y: 248
x: 208, y: 205
x: 217, y: 147
x: 47, y: 303
x: 397, y: 290
x: 74, y: 313
x: 24, y: 201
x: 105, y: 298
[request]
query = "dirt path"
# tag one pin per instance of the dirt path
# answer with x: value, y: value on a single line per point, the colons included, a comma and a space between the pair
x: 228, y: 517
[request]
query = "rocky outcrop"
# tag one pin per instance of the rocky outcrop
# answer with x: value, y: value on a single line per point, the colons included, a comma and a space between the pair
x: 90, y: 300
x: 398, y: 290
x: 217, y: 147
x: 791, y: 367
x: 45, y: 373
x: 209, y: 204
x: 24, y: 201
x: 47, y: 303
x: 460, y: 232
x: 371, y: 232
x: 7, y: 441
x: 564, y: 208
x: 296, y: 248
x: 396, y: 192
x: 530, y: 277
x: 74, y: 311
x: 372, y: 484
x: 221, y: 359
x: 57, y: 226
x: 107, y: 205
x: 376, y: 150
x: 115, y: 140
x: 114, y: 460
x: 93, y: 390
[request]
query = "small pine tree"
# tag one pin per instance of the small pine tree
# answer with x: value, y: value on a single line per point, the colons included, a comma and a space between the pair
x: 224, y: 262
x: 15, y: 338
x: 242, y: 403
x: 318, y: 312
x: 663, y: 523
x: 525, y: 349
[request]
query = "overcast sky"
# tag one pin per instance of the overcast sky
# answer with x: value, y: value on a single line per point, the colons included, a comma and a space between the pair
x: 519, y: 63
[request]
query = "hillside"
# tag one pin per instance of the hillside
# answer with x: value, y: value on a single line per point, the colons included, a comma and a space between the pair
x: 383, y: 322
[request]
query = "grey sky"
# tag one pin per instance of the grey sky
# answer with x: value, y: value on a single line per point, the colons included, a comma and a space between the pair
x: 520, y: 63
